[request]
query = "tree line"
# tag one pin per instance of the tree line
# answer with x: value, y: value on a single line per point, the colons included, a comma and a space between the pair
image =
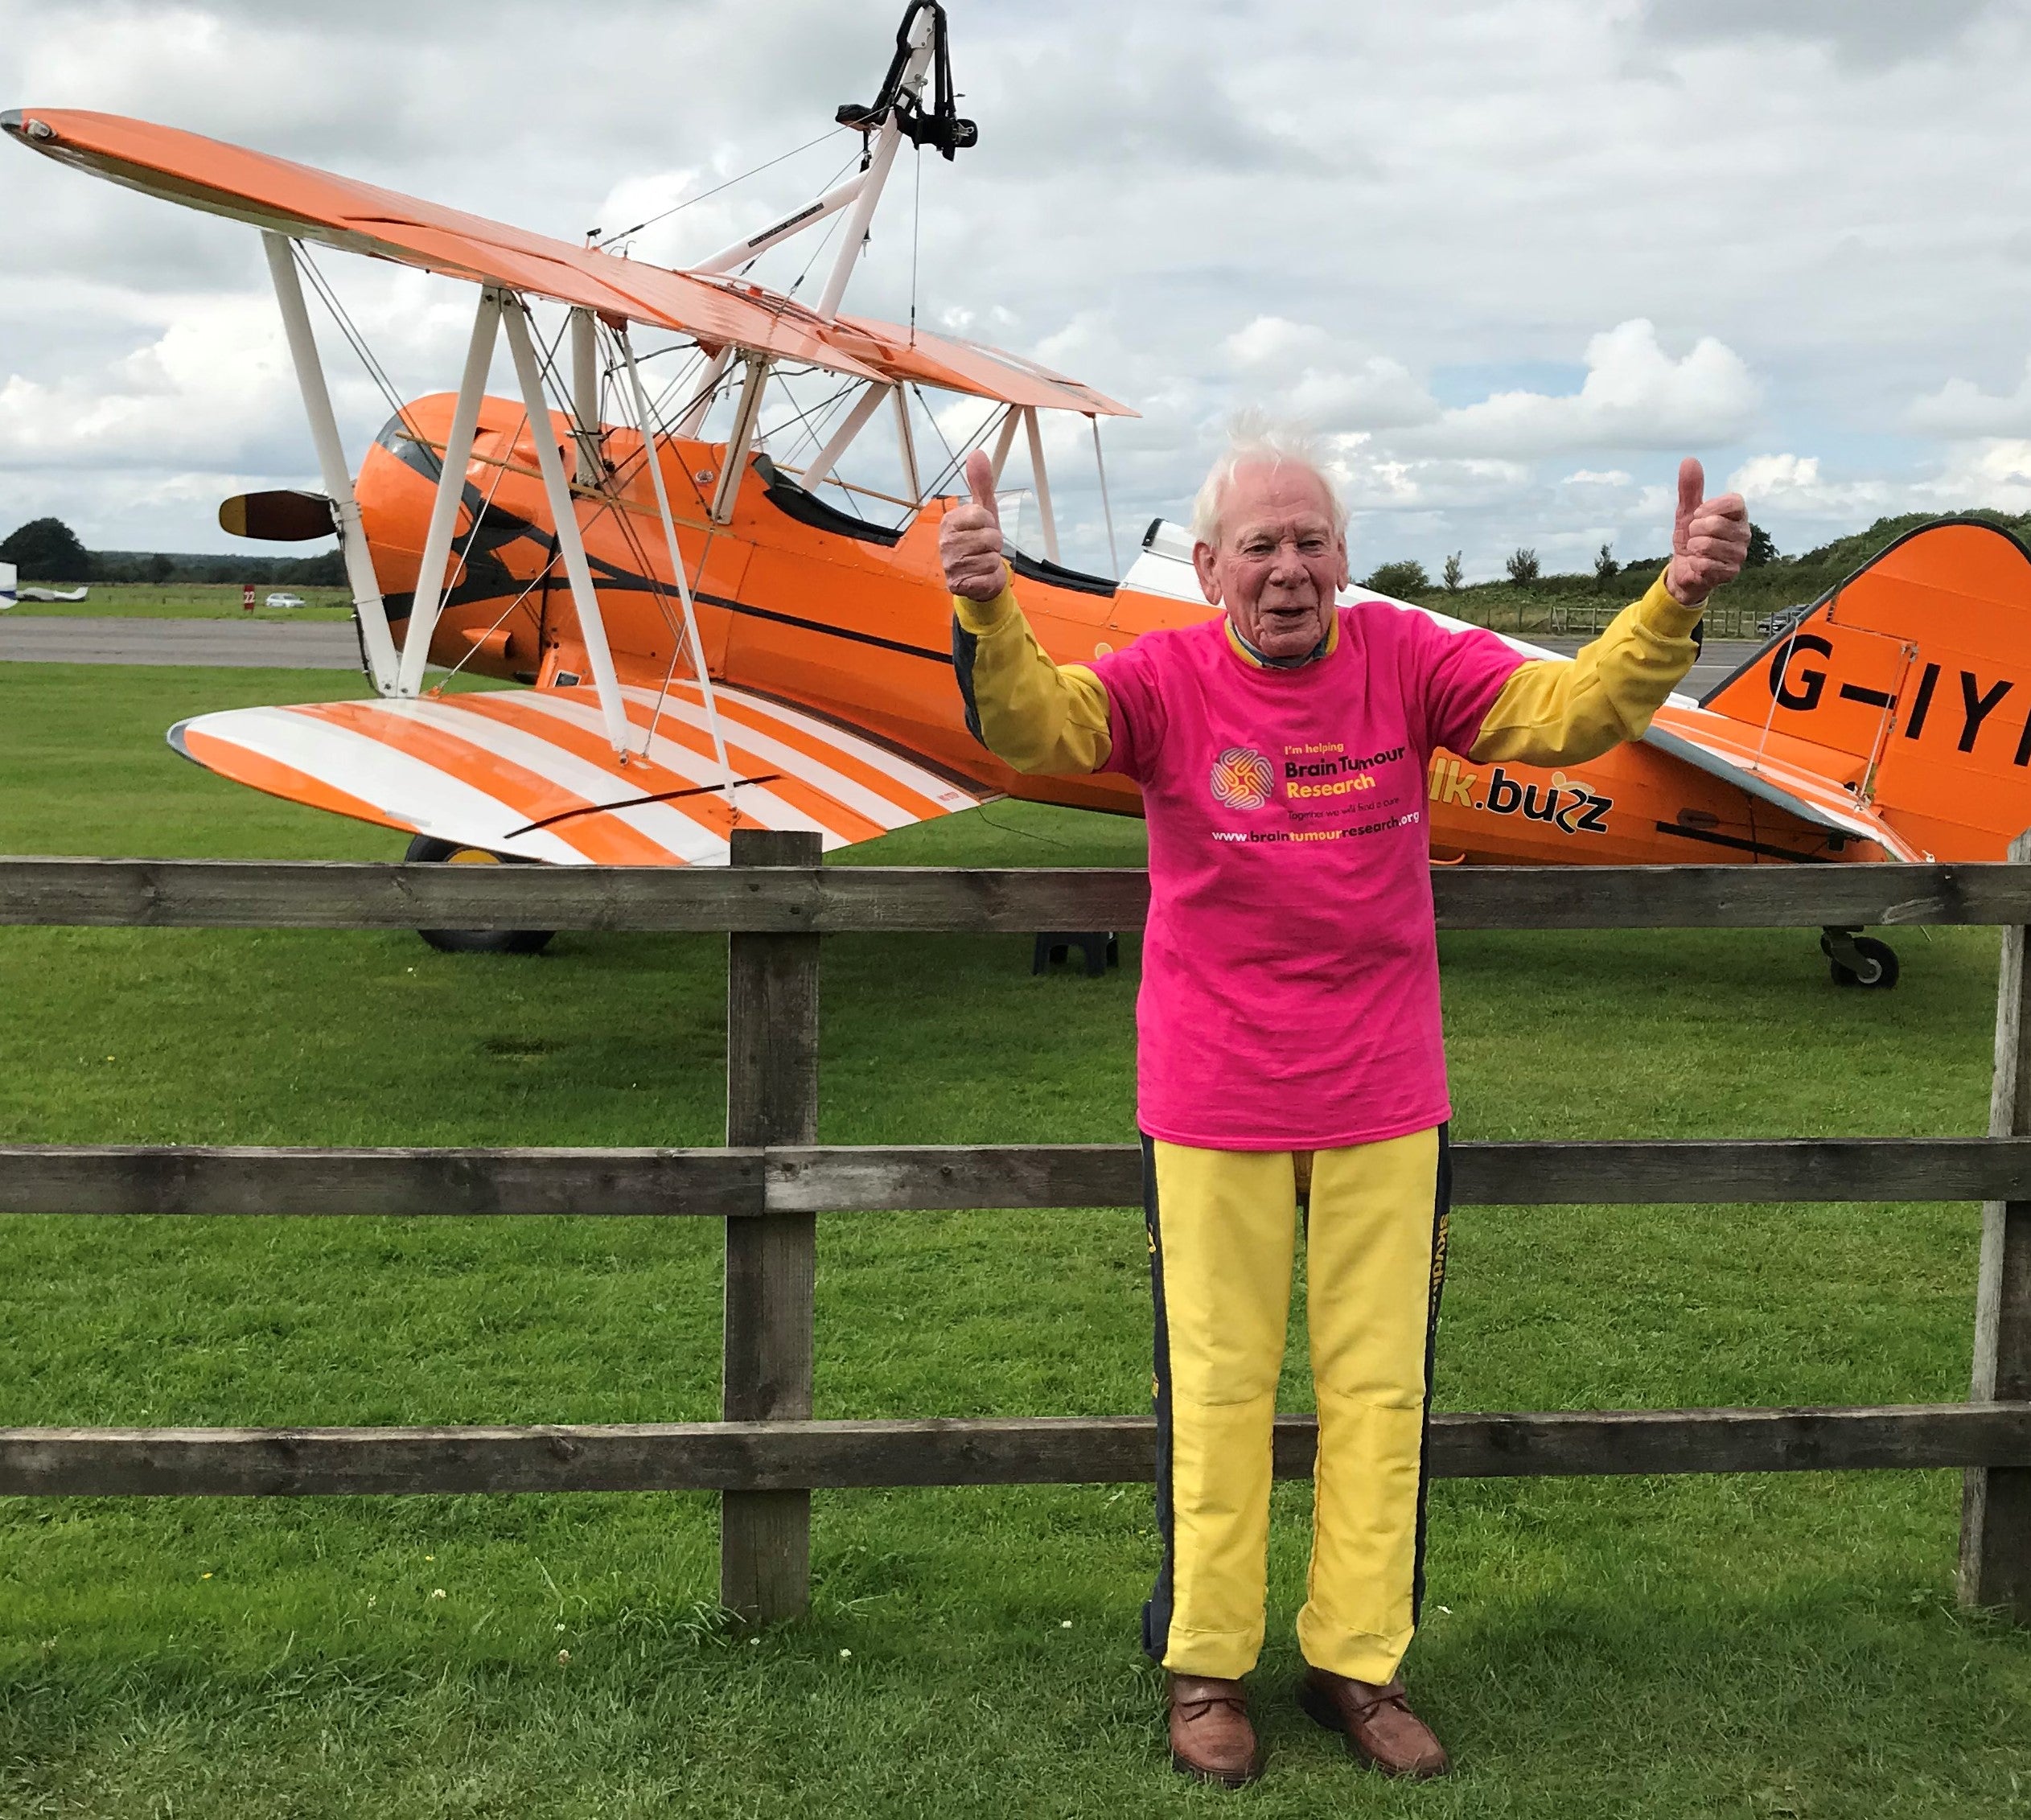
x: 47, y: 549
x: 1407, y: 576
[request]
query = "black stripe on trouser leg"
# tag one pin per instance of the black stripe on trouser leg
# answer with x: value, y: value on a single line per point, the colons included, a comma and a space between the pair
x: 1441, y: 1205
x: 1156, y: 1613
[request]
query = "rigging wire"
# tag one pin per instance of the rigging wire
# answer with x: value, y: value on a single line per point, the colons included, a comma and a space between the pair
x: 826, y: 240
x: 812, y: 429
x: 598, y: 237
x: 977, y: 440
x: 699, y: 666
x: 357, y: 341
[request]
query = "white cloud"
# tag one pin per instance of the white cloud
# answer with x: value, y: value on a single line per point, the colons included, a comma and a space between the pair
x: 1305, y: 373
x: 1793, y: 483
x: 1635, y: 396
x: 1960, y: 408
x: 1995, y: 471
x: 1761, y: 198
x: 1991, y: 471
x: 1860, y: 31
x: 205, y: 388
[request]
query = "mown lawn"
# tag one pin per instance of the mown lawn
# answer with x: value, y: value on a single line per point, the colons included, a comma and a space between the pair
x: 191, y: 600
x: 1740, y: 1646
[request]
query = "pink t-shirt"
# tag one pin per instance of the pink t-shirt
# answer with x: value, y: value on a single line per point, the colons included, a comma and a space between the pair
x: 1290, y: 988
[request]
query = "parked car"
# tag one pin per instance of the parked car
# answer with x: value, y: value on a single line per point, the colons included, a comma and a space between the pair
x: 284, y: 600
x: 1776, y: 623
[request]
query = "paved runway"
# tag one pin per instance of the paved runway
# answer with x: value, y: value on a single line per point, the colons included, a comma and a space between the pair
x: 324, y: 645
x: 258, y: 644
x: 1718, y: 660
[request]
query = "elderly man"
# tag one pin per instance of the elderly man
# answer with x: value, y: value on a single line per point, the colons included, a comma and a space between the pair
x: 1288, y: 1031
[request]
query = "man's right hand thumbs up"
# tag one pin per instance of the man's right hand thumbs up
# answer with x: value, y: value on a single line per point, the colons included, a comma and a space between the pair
x: 969, y: 541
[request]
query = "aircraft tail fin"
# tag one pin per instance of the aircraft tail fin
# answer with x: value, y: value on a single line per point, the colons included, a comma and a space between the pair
x: 1914, y: 677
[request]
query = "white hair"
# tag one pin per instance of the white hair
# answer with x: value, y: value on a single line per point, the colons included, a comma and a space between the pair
x: 1253, y: 435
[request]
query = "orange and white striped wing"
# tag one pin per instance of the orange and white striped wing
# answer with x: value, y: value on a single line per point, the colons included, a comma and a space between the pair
x: 529, y: 773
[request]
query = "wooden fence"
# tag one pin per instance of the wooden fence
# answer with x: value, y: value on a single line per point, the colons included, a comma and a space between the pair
x: 772, y: 1179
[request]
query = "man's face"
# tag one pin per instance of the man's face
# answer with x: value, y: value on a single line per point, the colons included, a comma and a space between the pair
x: 1279, y: 562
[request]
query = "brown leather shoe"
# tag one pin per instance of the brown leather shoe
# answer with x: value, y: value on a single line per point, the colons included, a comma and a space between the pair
x: 1210, y: 1736
x: 1381, y: 1728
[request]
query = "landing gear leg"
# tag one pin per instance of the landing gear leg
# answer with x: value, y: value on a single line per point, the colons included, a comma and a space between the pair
x: 1857, y: 959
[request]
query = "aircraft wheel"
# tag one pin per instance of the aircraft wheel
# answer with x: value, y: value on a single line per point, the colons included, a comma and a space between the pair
x: 425, y: 851
x: 1859, y: 960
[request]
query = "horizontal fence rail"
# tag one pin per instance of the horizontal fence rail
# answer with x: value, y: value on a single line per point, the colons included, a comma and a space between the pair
x: 770, y: 1181
x: 833, y: 900
x: 751, y: 1456
x: 170, y: 1179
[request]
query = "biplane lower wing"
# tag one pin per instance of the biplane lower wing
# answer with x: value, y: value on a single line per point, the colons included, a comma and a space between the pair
x: 529, y: 774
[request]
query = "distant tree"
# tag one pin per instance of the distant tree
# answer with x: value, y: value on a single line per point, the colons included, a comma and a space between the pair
x: 1399, y: 578
x: 1763, y: 548
x: 1522, y: 567
x: 47, y: 549
x: 1605, y: 567
x: 1453, y: 574
x: 156, y: 568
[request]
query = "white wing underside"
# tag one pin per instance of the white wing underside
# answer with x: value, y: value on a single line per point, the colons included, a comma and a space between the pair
x: 528, y: 772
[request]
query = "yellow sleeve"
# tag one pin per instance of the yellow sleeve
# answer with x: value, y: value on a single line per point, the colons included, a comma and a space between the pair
x: 1037, y: 715
x: 1552, y: 711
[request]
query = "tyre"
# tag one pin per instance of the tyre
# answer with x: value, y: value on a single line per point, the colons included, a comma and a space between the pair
x: 425, y: 851
x: 1877, y: 971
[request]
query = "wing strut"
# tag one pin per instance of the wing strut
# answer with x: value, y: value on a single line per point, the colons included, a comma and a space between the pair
x: 429, y: 599
x: 741, y: 252
x: 653, y: 456
x: 375, y: 636
x: 1043, y: 480
x: 571, y: 546
x: 1006, y: 441
x: 741, y: 438
x: 584, y: 396
x: 1107, y: 509
x: 827, y: 458
x: 908, y: 442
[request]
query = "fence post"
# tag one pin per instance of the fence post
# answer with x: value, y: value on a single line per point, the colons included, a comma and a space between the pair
x: 1996, y: 1502
x: 771, y: 1097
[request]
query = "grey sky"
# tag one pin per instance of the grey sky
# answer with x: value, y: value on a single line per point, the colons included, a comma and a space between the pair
x: 1513, y: 259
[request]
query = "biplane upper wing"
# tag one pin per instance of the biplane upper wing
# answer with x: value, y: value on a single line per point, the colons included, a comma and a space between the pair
x: 308, y: 204
x: 529, y: 772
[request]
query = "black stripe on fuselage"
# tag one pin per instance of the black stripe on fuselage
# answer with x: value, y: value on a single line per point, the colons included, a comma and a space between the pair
x: 820, y: 626
x: 1741, y: 845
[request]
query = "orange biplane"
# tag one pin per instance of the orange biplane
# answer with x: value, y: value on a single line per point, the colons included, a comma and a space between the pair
x: 713, y: 635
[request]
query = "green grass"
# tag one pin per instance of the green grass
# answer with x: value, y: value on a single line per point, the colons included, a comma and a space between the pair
x: 1744, y: 1647
x: 190, y: 600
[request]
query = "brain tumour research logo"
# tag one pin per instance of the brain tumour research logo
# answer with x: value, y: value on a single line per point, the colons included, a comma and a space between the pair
x: 1242, y: 778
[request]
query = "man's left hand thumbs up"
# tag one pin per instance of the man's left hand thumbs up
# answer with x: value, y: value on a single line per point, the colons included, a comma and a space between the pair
x: 969, y: 541
x: 1709, y: 538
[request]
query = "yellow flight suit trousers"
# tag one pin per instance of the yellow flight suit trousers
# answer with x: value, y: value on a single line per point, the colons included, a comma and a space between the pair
x: 1222, y: 1236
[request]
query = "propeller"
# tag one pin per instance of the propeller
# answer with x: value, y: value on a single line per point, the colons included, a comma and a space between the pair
x: 286, y: 516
